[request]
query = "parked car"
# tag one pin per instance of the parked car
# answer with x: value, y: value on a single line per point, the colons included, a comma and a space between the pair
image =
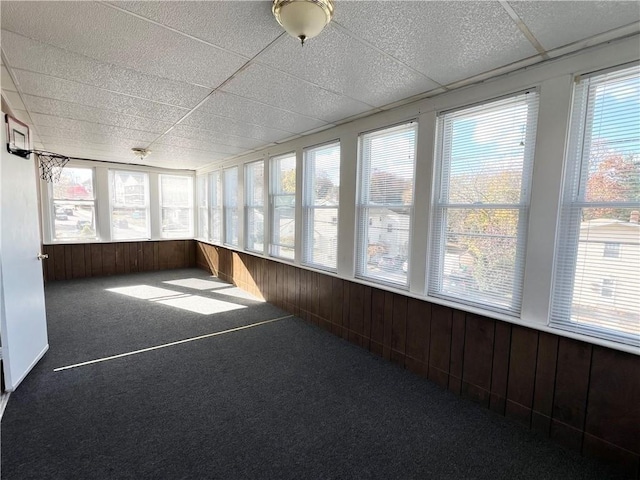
x: 388, y: 262
x: 60, y: 214
x: 83, y: 223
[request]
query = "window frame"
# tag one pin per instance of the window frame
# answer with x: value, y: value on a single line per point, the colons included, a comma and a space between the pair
x: 251, y: 205
x: 230, y: 207
x: 190, y: 206
x: 215, y: 206
x: 274, y: 195
x: 309, y: 208
x: 202, y: 203
x: 51, y: 200
x: 363, y: 208
x: 112, y: 172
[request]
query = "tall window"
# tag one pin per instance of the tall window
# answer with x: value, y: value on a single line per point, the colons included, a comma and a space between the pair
x: 483, y: 173
x: 596, y: 287
x: 283, y: 199
x: 74, y: 205
x: 320, y: 205
x: 202, y: 200
x: 231, y: 206
x: 215, y: 207
x: 176, y: 202
x: 385, y: 203
x: 129, y: 205
x: 254, y: 206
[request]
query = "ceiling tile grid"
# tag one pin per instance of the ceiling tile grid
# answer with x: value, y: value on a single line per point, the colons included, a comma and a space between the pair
x: 26, y: 54
x: 201, y: 82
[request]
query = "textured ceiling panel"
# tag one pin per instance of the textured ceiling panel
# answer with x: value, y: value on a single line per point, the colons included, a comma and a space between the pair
x: 27, y: 54
x: 244, y: 110
x: 76, y: 126
x: 216, y: 123
x: 263, y: 84
x: 6, y: 81
x: 555, y: 24
x: 328, y: 61
x: 86, y: 137
x: 90, y: 114
x: 447, y: 41
x: 112, y: 36
x: 195, y: 144
x: 225, y: 24
x: 59, y: 89
x: 186, y: 131
x: 14, y: 100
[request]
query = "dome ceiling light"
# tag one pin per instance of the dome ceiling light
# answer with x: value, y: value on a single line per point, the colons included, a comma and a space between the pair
x: 303, y: 19
x: 141, y: 153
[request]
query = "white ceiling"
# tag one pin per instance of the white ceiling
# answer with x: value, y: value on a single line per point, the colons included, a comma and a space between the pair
x: 201, y: 82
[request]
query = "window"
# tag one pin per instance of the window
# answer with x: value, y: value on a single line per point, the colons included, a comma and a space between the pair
x: 484, y: 161
x: 385, y: 203
x: 282, y: 194
x: 176, y: 203
x: 129, y: 205
x: 203, y: 206
x: 215, y: 207
x: 320, y: 205
x: 74, y: 205
x: 254, y: 206
x: 599, y: 213
x: 611, y: 250
x: 231, y: 206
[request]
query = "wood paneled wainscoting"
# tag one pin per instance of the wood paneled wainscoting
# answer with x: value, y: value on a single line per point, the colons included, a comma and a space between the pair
x: 100, y: 259
x: 583, y: 396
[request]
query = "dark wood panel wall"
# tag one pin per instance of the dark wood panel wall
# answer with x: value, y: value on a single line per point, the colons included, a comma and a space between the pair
x: 100, y: 259
x: 583, y: 396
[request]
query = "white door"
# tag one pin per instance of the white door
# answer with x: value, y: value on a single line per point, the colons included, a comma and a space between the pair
x: 23, y: 324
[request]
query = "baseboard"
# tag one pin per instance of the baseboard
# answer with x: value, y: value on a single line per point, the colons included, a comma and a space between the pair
x: 12, y: 388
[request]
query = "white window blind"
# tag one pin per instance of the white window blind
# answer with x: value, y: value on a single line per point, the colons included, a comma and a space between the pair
x: 282, y: 195
x: 483, y: 172
x: 320, y: 206
x: 202, y: 199
x: 215, y: 207
x: 74, y: 205
x: 596, y: 288
x: 231, y: 206
x: 254, y: 206
x: 176, y: 201
x: 129, y: 205
x: 385, y: 203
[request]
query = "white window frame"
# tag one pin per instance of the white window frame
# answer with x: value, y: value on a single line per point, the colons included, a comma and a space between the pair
x: 274, y: 195
x: 202, y: 206
x: 309, y: 208
x: 441, y: 205
x: 215, y: 206
x: 575, y: 177
x: 189, y: 206
x: 52, y: 208
x: 230, y: 206
x: 112, y: 174
x: 250, y: 204
x: 363, y: 208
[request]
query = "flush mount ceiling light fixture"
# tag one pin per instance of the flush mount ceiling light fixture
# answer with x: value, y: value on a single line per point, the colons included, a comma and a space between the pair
x: 141, y: 153
x: 303, y: 19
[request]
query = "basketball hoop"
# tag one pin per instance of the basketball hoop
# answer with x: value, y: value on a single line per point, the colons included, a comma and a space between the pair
x: 51, y: 165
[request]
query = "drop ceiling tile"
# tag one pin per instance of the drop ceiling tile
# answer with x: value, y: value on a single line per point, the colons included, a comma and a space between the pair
x: 87, y: 152
x: 329, y: 59
x: 555, y: 24
x: 6, y: 81
x: 116, y: 37
x: 245, y: 110
x: 26, y: 54
x: 14, y: 100
x: 86, y: 137
x: 186, y: 131
x: 199, y: 156
x: 76, y: 111
x: 204, y: 146
x: 23, y: 116
x: 242, y: 27
x: 447, y: 41
x: 88, y: 127
x: 65, y: 90
x: 216, y: 123
x: 274, y: 88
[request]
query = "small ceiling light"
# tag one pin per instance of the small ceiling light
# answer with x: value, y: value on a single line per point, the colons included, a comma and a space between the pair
x: 141, y: 153
x: 303, y: 19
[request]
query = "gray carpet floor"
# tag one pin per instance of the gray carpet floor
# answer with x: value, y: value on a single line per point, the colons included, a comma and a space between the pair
x: 284, y: 400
